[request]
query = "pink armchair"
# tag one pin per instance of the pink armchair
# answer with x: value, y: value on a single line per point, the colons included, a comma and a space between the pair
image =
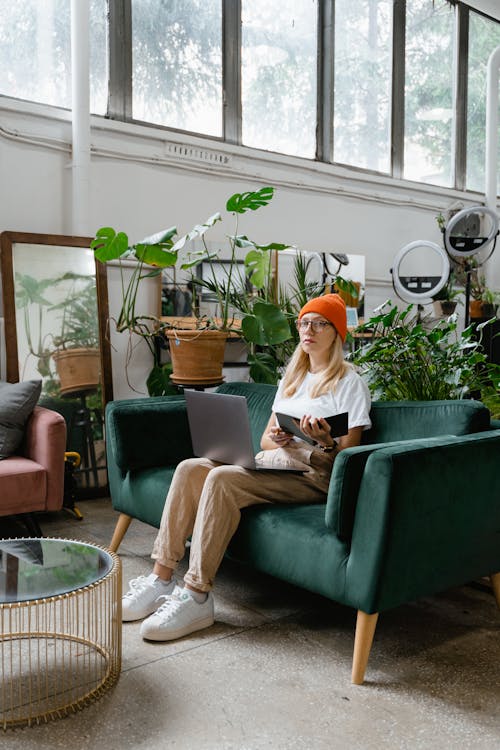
x: 34, y: 480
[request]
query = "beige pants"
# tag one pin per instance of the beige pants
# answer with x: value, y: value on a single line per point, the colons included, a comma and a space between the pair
x: 204, y: 501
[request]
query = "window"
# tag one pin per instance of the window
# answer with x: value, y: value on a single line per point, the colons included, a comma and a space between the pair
x: 99, y: 61
x: 278, y: 71
x: 35, y: 51
x: 484, y: 37
x: 429, y: 110
x: 362, y: 89
x: 177, y: 64
x: 170, y: 73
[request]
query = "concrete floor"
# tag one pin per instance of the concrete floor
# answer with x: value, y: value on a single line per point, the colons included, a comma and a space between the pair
x: 274, y: 671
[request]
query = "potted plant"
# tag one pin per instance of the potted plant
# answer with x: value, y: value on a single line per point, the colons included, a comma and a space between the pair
x: 406, y: 360
x: 263, y: 322
x: 446, y: 300
x: 76, y: 348
x: 78, y: 322
x: 484, y: 301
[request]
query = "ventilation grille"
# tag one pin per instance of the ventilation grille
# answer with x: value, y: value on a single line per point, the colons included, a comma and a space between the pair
x: 195, y: 153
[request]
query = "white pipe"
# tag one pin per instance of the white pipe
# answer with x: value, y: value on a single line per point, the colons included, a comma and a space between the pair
x: 80, y: 93
x: 491, y: 157
x: 491, y: 150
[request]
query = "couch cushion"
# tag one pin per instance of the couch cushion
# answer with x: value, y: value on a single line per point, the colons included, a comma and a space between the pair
x: 17, y: 401
x: 405, y: 420
x: 291, y: 542
x: 23, y: 486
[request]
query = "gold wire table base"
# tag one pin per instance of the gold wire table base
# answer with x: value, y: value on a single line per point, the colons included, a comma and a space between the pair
x: 60, y: 653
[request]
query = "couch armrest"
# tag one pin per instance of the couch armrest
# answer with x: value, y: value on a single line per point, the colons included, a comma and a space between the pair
x: 346, y: 480
x: 148, y: 432
x: 45, y: 443
x: 427, y: 518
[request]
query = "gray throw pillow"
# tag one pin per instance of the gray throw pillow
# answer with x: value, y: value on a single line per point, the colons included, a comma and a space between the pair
x: 17, y: 401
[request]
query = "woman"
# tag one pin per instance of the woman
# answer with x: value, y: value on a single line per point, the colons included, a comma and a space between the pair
x: 205, y: 498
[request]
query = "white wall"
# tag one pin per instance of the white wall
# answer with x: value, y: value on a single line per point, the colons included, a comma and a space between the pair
x: 144, y: 180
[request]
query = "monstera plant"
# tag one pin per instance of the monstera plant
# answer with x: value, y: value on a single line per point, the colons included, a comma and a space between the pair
x: 256, y: 318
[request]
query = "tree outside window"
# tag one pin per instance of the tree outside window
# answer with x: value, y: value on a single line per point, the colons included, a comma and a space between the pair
x: 177, y: 64
x: 362, y: 89
x: 429, y: 121
x: 279, y: 43
x: 35, y: 52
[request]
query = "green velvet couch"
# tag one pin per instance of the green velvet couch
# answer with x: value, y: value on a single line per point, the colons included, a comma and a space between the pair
x: 411, y: 512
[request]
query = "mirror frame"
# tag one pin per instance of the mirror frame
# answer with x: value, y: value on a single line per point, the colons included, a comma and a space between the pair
x: 8, y: 241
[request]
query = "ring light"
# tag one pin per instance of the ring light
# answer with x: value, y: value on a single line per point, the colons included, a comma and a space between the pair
x: 460, y: 247
x: 423, y: 296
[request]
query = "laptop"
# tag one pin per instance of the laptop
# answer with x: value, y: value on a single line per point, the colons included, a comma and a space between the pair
x: 220, y: 430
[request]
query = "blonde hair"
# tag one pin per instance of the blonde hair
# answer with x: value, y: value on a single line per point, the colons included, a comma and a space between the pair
x: 298, y: 367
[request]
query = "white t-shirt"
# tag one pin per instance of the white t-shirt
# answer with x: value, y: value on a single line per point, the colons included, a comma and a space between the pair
x: 351, y: 395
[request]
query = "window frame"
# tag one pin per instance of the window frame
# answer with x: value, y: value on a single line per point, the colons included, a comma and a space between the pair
x: 120, y: 85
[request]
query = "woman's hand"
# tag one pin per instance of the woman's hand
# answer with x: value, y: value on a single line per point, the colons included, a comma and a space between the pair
x: 279, y: 436
x: 317, y: 429
x: 273, y: 436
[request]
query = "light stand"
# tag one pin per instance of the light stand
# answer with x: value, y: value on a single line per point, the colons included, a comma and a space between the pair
x: 464, y: 248
x: 419, y: 289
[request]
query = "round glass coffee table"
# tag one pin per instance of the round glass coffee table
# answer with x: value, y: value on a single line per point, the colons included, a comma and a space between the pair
x: 60, y: 627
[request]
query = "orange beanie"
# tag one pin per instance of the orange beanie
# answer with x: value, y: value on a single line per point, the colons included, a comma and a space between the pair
x: 331, y: 307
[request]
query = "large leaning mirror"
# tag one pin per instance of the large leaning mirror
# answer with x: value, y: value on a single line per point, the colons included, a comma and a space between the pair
x: 55, y: 305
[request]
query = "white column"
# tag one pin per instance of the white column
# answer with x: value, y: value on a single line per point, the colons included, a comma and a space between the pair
x: 80, y: 89
x: 491, y: 158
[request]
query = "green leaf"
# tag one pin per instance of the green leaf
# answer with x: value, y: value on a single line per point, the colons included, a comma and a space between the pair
x: 257, y: 265
x: 263, y: 368
x: 241, y: 202
x: 197, y: 258
x: 109, y: 245
x: 154, y: 255
x: 160, y: 238
x: 159, y: 383
x: 151, y: 274
x: 266, y: 325
x: 241, y: 240
x: 344, y: 285
x: 197, y: 231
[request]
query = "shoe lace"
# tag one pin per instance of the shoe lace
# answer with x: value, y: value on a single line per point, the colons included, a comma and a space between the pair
x: 136, y: 586
x: 170, y: 606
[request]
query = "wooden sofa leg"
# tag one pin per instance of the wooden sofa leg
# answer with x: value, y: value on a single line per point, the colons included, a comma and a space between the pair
x: 363, y: 639
x: 495, y: 585
x: 121, y: 527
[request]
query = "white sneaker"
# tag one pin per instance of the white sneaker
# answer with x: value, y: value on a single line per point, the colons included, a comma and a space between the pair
x: 144, y: 596
x: 179, y: 615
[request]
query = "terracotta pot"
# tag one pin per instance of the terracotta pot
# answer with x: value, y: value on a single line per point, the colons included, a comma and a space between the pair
x: 478, y: 309
x: 197, y: 356
x: 475, y: 308
x: 78, y: 369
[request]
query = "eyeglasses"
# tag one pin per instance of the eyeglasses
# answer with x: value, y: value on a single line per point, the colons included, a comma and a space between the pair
x: 316, y: 325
